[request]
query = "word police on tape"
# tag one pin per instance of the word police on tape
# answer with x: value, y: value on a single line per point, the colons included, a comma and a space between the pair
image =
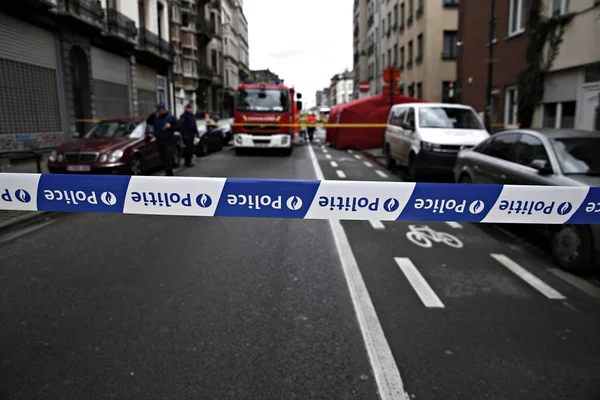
x: 265, y: 198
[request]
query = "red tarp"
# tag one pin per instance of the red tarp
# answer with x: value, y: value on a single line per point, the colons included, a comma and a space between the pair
x: 366, y: 110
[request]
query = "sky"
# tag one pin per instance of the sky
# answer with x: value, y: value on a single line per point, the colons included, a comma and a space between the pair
x: 305, y: 42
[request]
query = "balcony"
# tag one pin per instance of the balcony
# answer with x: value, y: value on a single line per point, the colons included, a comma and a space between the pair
x: 217, y: 78
x: 205, y: 73
x: 189, y: 41
x: 120, y: 26
x: 152, y: 48
x: 190, y: 84
x: 215, y: 4
x: 85, y: 13
x: 370, y: 50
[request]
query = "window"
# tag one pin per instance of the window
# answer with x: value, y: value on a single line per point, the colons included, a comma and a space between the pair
x: 257, y: 100
x: 214, y: 61
x: 411, y: 7
x: 188, y: 67
x: 559, y: 115
x: 578, y: 155
x: 559, y: 7
x: 402, y: 14
x: 420, y: 48
x: 530, y: 148
x: 410, y: 115
x: 395, y: 55
x: 383, y: 31
x: 449, y: 52
x: 510, y: 106
x: 447, y: 91
x: 389, y: 22
x: 592, y: 74
x: 402, y: 57
x: 451, y: 3
x: 448, y: 118
x: 516, y: 23
x: 419, y: 90
x: 175, y: 14
x: 389, y: 57
x: 397, y: 116
x: 395, y: 15
x: 411, y: 90
x: 410, y: 54
x: 503, y: 146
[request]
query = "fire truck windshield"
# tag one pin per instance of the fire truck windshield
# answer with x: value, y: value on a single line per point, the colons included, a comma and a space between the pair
x: 257, y: 100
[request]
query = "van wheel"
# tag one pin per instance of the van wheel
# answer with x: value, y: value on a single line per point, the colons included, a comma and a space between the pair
x: 413, y: 168
x: 572, y: 247
x: 389, y: 160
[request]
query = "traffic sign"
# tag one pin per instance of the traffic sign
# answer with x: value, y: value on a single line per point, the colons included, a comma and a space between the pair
x: 364, y: 86
x: 391, y: 74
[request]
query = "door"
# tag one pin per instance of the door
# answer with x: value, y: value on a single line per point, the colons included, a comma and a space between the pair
x: 497, y: 165
x: 529, y: 148
x: 591, y: 110
x: 394, y: 130
x: 80, y: 85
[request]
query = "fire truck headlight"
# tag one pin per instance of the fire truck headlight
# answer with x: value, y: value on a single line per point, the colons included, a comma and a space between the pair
x: 284, y: 140
x: 238, y: 139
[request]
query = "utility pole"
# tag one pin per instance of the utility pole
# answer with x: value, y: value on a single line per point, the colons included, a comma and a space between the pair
x: 392, y: 84
x: 490, y: 82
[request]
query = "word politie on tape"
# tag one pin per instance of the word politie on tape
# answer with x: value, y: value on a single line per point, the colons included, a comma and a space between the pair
x: 264, y: 198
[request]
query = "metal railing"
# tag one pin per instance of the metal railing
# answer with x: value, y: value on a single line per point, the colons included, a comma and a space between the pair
x: 88, y: 9
x: 121, y: 25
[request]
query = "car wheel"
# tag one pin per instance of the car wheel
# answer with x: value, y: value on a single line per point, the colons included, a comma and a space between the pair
x: 413, y: 168
x: 572, y: 247
x: 177, y: 157
x: 239, y: 151
x: 204, y: 150
x: 389, y: 160
x: 137, y: 165
x: 465, y: 178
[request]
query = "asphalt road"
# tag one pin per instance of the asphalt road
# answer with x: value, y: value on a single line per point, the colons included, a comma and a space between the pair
x: 127, y: 307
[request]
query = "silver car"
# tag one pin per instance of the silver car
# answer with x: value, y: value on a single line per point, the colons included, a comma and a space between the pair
x: 546, y: 157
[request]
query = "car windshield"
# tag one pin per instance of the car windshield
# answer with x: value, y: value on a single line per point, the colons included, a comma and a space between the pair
x: 578, y: 155
x: 257, y: 100
x: 111, y: 129
x: 448, y: 117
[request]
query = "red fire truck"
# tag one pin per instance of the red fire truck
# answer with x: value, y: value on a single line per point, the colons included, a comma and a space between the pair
x: 265, y: 116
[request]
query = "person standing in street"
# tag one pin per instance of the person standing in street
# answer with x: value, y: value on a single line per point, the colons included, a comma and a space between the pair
x: 164, y: 131
x: 190, y: 131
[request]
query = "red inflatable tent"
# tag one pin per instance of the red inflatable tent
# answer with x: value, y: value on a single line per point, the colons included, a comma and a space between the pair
x: 367, y: 110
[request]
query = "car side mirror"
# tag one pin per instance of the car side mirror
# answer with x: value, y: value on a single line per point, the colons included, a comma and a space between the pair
x: 543, y: 166
x: 299, y: 105
x: 408, y: 126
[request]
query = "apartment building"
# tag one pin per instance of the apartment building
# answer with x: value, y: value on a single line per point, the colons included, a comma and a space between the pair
x: 265, y: 75
x: 341, y: 88
x: 243, y: 44
x: 572, y: 88
x: 72, y: 61
x: 322, y: 97
x: 360, y: 67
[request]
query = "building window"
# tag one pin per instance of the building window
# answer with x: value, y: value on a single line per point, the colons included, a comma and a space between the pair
x: 395, y: 15
x: 395, y: 55
x: 411, y: 7
x: 449, y: 52
x: 383, y: 30
x: 592, y: 74
x: 409, y: 62
x: 214, y: 61
x: 420, y: 48
x: 402, y: 14
x: 451, y: 3
x: 516, y: 23
x: 175, y: 14
x: 402, y: 57
x: 559, y: 7
x: 411, y: 90
x: 419, y: 90
x: 510, y: 106
x: 559, y: 115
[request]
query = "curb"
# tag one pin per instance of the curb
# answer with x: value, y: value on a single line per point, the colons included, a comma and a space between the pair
x: 25, y: 219
x: 377, y: 160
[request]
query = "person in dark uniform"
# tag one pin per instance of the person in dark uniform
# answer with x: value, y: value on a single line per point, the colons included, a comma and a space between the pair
x: 164, y: 132
x: 190, y: 131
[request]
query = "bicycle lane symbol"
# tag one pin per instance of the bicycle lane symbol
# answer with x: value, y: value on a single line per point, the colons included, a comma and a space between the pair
x: 425, y: 237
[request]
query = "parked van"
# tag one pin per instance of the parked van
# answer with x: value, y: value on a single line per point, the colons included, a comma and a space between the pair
x: 426, y: 137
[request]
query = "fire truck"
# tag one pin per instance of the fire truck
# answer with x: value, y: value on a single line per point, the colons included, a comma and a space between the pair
x: 265, y: 116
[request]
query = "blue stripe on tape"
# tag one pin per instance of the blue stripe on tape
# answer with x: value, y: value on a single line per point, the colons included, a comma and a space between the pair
x: 589, y: 210
x: 266, y: 198
x: 450, y: 202
x: 85, y: 193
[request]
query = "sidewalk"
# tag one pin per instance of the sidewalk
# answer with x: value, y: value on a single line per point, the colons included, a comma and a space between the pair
x: 376, y: 155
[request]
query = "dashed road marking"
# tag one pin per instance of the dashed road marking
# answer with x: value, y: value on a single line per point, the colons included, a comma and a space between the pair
x: 325, y: 151
x: 340, y: 173
x: 381, y: 174
x: 350, y: 151
x: 333, y: 164
x: 368, y: 164
x: 581, y: 284
x: 377, y: 224
x: 357, y: 156
x: 528, y: 277
x: 328, y: 156
x: 454, y: 225
x: 419, y: 284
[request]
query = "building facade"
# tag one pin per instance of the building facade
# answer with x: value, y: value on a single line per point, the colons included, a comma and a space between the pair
x: 265, y: 75
x: 76, y: 61
x: 341, y: 88
x: 360, y: 46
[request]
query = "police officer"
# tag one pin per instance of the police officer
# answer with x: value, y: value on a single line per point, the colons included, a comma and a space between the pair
x: 190, y: 131
x: 164, y: 132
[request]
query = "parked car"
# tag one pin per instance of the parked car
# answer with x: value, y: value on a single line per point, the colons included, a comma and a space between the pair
x: 210, y: 139
x: 115, y: 146
x: 426, y: 137
x: 542, y: 157
x: 225, y: 128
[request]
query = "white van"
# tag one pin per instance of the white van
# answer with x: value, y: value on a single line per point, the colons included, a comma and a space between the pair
x: 426, y: 137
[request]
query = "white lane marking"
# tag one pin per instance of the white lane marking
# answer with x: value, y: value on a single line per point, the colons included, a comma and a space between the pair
x: 387, y: 375
x: 325, y: 151
x: 333, y: 164
x: 454, y: 225
x: 350, y: 151
x: 419, y: 284
x: 340, y: 173
x: 25, y: 231
x: 368, y: 164
x: 328, y: 156
x: 357, y: 157
x: 381, y: 174
x: 586, y: 287
x: 528, y: 277
x: 377, y: 224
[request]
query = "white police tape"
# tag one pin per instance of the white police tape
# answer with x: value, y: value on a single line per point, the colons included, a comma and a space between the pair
x: 264, y: 198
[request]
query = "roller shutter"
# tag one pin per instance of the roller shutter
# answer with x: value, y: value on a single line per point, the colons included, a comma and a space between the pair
x: 110, y: 79
x: 146, y: 83
x: 29, y: 81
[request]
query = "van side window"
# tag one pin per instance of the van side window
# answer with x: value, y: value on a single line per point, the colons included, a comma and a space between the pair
x: 410, y: 119
x: 397, y: 116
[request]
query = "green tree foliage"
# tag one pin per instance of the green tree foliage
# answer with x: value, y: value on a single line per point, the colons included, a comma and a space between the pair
x: 545, y: 36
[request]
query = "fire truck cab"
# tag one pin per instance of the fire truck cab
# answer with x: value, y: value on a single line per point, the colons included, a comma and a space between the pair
x: 265, y: 116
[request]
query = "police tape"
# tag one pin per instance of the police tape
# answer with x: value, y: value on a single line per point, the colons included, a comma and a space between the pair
x: 264, y: 198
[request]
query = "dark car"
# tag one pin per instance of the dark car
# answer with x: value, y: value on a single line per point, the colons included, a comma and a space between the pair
x: 115, y: 146
x: 210, y: 138
x: 225, y: 129
x: 547, y: 158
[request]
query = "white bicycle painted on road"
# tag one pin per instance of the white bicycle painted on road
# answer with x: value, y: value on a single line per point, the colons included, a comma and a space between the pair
x: 425, y: 237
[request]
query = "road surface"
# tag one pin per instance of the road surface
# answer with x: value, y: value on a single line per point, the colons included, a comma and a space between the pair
x: 124, y: 306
